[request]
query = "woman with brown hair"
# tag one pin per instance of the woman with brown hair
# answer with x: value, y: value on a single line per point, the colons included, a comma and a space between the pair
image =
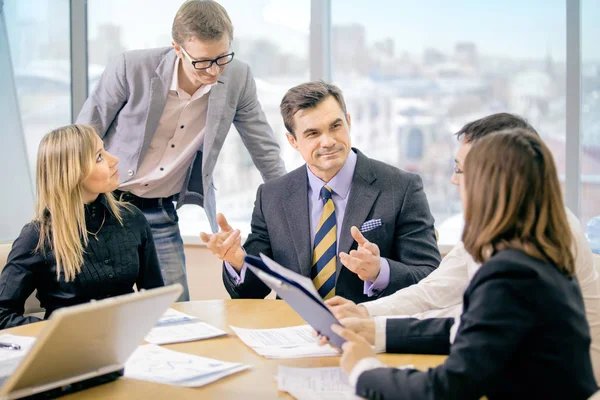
x: 82, y: 244
x: 523, y: 331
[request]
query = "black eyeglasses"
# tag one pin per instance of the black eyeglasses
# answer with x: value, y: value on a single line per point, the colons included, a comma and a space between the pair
x: 206, y: 64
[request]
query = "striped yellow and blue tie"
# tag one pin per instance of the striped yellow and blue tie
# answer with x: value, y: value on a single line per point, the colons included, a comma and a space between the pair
x: 325, y: 248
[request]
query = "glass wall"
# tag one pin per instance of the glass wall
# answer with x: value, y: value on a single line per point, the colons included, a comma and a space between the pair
x: 271, y: 36
x: 413, y: 77
x: 590, y: 121
x: 39, y: 40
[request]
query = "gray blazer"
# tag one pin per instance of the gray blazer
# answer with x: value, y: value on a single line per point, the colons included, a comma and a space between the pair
x: 406, y: 238
x: 128, y: 101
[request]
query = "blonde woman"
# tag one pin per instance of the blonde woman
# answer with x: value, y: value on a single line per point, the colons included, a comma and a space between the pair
x: 523, y: 332
x: 82, y: 243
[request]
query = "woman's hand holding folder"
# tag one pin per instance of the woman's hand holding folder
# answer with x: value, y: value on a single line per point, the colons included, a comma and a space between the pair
x: 363, y: 327
x: 354, y: 349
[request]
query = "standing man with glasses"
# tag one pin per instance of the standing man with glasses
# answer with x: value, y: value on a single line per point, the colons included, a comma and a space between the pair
x: 165, y: 113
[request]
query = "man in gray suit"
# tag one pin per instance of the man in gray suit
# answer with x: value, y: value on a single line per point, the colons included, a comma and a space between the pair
x: 166, y: 112
x: 358, y: 227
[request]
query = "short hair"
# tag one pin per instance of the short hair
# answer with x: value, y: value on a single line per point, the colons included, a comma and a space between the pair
x: 514, y: 200
x: 203, y: 19
x: 482, y: 127
x: 307, y: 95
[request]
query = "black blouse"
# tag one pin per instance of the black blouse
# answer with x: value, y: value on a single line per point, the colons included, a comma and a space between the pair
x: 116, y: 258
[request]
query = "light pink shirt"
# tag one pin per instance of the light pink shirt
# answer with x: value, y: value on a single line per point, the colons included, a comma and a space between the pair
x: 178, y: 137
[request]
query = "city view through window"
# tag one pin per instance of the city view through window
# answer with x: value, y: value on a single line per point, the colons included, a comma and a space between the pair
x: 411, y: 78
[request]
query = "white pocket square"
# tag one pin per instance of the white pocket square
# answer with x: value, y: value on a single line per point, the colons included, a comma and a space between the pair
x: 370, y: 225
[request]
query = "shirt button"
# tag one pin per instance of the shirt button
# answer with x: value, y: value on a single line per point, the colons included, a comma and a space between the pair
x: 145, y: 184
x: 111, y: 276
x: 106, y: 261
x: 172, y: 146
x: 181, y: 126
x: 130, y: 172
x: 162, y: 169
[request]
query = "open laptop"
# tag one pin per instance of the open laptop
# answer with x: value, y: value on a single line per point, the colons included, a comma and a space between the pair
x: 87, y: 344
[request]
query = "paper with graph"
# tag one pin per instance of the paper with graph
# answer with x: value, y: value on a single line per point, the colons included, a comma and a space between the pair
x: 330, y: 383
x: 176, y: 327
x: 157, y: 364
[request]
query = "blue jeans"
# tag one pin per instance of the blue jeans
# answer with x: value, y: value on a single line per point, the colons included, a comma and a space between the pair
x: 169, y: 245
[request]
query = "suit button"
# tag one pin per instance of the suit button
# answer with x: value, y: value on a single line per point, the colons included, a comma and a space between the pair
x: 106, y: 261
x: 130, y: 172
x: 111, y: 276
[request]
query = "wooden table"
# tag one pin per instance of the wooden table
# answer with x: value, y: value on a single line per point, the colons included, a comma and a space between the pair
x: 255, y: 383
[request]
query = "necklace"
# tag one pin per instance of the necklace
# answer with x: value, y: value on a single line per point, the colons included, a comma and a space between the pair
x: 94, y: 234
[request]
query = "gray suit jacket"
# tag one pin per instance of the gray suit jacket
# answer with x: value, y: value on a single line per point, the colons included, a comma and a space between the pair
x: 126, y: 106
x: 406, y: 238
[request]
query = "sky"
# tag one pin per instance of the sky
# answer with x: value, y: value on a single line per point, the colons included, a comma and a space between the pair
x: 518, y: 28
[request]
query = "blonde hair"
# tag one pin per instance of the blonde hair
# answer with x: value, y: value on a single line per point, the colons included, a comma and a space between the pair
x: 514, y: 200
x: 65, y: 158
x: 206, y: 20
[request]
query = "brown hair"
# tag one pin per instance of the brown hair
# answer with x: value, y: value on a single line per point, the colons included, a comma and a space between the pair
x: 482, y: 127
x: 203, y: 19
x: 307, y: 95
x: 514, y: 200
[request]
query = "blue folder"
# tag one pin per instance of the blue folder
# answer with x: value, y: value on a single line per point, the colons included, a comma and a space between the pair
x: 309, y: 305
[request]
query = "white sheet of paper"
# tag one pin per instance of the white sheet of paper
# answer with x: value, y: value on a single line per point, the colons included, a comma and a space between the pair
x: 157, y: 364
x: 176, y: 327
x: 315, y: 383
x: 291, y: 342
x: 9, y: 358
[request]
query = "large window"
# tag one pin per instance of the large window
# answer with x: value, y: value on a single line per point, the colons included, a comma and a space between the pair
x: 413, y: 76
x: 39, y: 39
x: 271, y: 36
x: 590, y: 121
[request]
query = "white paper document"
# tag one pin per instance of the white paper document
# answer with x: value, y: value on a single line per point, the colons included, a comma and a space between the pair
x: 10, y: 358
x: 315, y: 383
x: 292, y: 342
x: 157, y: 364
x: 176, y: 327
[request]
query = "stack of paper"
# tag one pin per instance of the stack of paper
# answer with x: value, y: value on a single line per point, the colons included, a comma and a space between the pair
x: 315, y: 383
x: 157, y: 364
x: 293, y: 342
x: 177, y: 327
x: 10, y: 358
